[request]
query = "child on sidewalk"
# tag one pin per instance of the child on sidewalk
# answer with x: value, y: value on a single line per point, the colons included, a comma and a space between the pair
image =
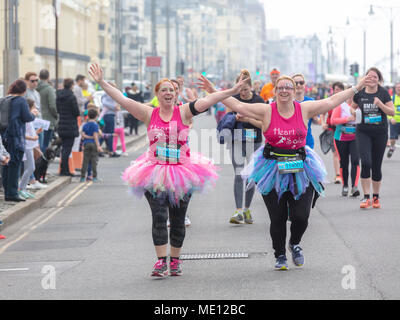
x: 91, y: 146
x: 32, y: 141
x: 119, y: 130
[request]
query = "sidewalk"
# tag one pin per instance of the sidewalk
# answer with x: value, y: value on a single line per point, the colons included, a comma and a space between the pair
x: 13, y: 211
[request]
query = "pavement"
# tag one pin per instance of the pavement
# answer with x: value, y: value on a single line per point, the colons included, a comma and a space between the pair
x: 19, y: 210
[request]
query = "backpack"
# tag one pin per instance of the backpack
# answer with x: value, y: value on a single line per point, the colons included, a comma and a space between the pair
x: 5, y: 106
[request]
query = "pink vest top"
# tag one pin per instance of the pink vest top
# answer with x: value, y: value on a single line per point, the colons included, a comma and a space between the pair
x: 173, y: 132
x: 286, y: 133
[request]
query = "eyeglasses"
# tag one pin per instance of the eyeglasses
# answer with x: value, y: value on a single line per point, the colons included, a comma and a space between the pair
x: 300, y: 83
x: 284, y: 88
x: 33, y: 81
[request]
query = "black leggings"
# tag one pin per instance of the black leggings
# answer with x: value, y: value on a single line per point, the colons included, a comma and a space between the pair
x: 372, y: 149
x: 348, y: 150
x: 160, y: 209
x: 299, y: 211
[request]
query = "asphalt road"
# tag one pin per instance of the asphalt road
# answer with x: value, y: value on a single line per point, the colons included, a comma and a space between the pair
x: 93, y: 241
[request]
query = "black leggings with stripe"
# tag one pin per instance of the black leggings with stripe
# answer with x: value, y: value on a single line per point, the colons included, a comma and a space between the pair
x: 371, y: 146
x: 348, y: 150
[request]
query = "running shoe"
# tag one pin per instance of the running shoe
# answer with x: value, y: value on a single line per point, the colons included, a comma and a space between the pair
x: 297, y: 255
x: 390, y: 152
x: 160, y: 269
x: 345, y: 191
x: 82, y: 180
x: 375, y: 203
x: 281, y: 263
x: 365, y: 203
x: 175, y: 267
x: 354, y: 192
x: 338, y: 180
x: 247, y: 217
x: 23, y: 195
x: 187, y: 221
x: 237, y: 218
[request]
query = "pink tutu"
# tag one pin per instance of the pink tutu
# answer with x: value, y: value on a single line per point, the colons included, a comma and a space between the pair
x: 172, y: 181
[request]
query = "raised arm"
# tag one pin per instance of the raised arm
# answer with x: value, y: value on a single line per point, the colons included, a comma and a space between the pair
x: 138, y: 110
x: 205, y: 103
x: 313, y: 108
x: 256, y: 111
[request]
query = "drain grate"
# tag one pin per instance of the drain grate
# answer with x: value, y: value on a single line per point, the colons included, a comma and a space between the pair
x: 215, y: 255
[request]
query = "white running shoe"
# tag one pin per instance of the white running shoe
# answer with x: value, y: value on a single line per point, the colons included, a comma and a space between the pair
x: 36, y: 186
x: 187, y: 221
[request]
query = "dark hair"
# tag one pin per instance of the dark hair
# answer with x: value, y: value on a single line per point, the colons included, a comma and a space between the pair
x: 377, y: 71
x: 44, y: 74
x: 339, y: 85
x: 92, y: 113
x: 17, y: 87
x: 79, y: 77
x: 31, y: 103
x: 68, y: 83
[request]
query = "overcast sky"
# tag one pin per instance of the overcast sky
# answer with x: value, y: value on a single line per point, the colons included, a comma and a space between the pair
x: 306, y: 17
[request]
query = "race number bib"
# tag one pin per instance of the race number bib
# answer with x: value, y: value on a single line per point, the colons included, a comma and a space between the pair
x: 290, y: 165
x: 349, y: 129
x: 168, y: 152
x: 373, y: 119
x: 250, y: 135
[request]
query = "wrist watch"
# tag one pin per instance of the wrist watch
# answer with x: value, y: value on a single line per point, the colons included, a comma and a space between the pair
x: 354, y: 89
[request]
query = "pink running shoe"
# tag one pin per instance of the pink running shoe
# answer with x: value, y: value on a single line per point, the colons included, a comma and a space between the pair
x: 175, y: 267
x: 160, y: 269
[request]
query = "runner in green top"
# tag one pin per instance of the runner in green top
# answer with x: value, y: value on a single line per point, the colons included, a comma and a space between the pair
x: 394, y: 122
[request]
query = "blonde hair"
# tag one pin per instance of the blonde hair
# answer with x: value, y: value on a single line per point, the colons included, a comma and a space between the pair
x: 298, y: 75
x: 246, y: 75
x: 285, y: 78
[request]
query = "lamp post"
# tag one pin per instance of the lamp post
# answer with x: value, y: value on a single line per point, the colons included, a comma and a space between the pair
x: 391, y: 17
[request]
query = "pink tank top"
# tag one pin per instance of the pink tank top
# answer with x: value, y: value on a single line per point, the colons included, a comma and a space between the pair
x: 286, y: 133
x: 172, y: 135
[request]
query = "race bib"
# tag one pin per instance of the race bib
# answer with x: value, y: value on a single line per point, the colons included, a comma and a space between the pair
x: 168, y: 152
x: 373, y: 119
x: 349, y: 129
x: 250, y: 134
x: 290, y: 165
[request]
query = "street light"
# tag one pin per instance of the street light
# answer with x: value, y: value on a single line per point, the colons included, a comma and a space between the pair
x: 371, y: 12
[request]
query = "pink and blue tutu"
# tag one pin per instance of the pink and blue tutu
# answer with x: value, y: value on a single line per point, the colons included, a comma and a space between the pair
x: 264, y: 174
x: 174, y: 182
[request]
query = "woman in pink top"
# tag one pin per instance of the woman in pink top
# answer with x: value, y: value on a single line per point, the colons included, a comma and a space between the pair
x: 167, y: 173
x: 288, y: 173
x: 345, y: 140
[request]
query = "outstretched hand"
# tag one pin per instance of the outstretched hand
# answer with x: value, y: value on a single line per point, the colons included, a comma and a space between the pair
x: 96, y: 72
x: 205, y: 84
x: 238, y: 86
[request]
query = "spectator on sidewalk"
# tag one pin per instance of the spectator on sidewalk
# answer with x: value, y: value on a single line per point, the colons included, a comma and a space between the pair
x: 48, y: 107
x: 68, y: 110
x: 119, y: 131
x: 31, y: 142
x: 91, y: 145
x: 14, y: 139
x: 135, y: 95
x: 108, y: 116
x: 81, y: 99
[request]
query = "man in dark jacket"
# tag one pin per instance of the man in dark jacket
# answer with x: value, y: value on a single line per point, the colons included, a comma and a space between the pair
x: 68, y: 111
x: 14, y: 139
x: 47, y: 106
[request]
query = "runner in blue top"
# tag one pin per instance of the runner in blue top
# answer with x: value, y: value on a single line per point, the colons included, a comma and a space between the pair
x: 300, y: 97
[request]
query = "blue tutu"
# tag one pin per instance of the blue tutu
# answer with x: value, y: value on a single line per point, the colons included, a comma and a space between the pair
x: 265, y: 175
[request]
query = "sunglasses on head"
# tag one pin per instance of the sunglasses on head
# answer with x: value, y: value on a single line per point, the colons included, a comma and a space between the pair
x: 301, y: 83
